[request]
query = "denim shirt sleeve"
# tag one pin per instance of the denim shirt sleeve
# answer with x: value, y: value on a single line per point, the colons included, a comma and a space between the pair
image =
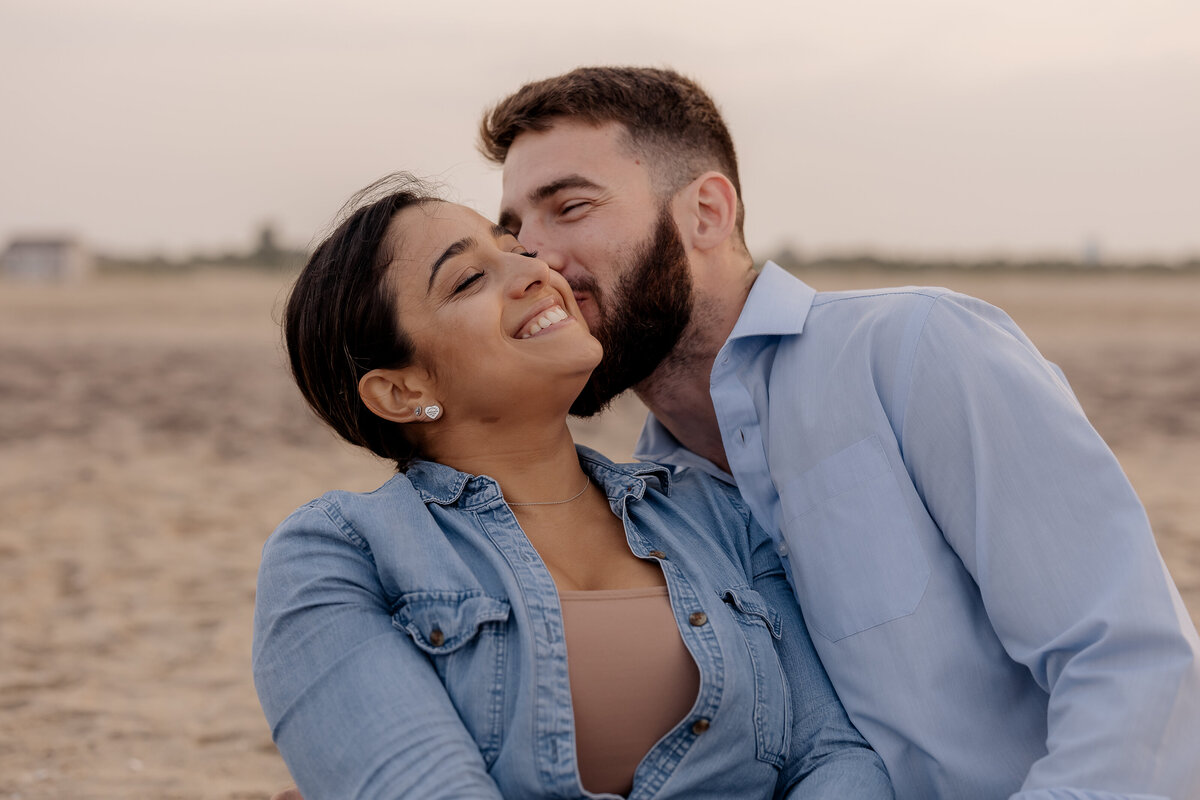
x: 356, y: 710
x: 829, y: 757
x: 1040, y: 513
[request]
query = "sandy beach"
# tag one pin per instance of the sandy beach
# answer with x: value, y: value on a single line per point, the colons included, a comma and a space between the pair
x: 150, y: 440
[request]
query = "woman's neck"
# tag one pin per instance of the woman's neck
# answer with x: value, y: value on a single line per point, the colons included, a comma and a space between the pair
x: 531, y: 464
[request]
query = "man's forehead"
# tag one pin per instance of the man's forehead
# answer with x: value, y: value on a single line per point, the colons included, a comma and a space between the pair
x: 569, y: 155
x: 566, y: 147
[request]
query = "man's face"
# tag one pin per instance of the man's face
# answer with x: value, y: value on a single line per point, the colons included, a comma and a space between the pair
x: 577, y: 196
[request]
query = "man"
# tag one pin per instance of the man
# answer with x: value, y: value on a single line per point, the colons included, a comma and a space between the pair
x: 979, y: 577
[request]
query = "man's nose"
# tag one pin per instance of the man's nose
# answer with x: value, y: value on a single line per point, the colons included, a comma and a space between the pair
x: 534, y: 238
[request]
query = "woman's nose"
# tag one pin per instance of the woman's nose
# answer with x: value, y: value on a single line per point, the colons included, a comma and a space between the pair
x: 528, y: 272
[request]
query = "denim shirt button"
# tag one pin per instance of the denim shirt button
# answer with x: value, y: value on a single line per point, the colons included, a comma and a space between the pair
x: 437, y: 638
x: 657, y: 554
x: 700, y: 726
x: 697, y: 619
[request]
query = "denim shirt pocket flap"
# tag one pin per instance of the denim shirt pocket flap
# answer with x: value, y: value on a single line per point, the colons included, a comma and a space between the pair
x: 751, y: 605
x: 759, y: 624
x: 442, y: 622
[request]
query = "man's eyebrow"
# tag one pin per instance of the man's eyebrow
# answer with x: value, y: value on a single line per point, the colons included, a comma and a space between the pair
x: 554, y: 187
x: 508, y: 221
x: 547, y: 190
x: 461, y: 246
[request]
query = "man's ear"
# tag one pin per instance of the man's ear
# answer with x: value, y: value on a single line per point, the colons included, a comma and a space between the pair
x: 396, y: 394
x: 709, y: 211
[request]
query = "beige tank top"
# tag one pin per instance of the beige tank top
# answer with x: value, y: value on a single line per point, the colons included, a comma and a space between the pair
x: 632, y: 679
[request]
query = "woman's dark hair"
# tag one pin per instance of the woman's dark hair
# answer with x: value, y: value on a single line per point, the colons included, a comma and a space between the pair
x: 340, y: 321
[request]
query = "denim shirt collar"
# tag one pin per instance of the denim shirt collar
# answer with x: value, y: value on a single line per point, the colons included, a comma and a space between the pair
x: 438, y: 483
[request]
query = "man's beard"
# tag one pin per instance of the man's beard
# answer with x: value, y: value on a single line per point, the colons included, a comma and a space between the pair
x: 642, y: 320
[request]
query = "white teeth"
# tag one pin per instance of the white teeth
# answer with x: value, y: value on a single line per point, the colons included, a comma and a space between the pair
x: 553, y: 315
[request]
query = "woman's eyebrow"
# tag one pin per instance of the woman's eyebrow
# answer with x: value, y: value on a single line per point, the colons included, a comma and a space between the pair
x: 461, y: 246
x: 458, y: 248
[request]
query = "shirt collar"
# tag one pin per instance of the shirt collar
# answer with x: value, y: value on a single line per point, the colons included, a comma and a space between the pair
x: 438, y: 483
x: 778, y: 305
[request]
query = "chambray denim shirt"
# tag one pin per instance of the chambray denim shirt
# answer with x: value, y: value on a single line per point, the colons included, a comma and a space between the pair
x: 408, y: 642
x: 980, y: 579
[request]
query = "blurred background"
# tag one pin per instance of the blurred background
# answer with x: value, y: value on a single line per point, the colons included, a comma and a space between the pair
x: 165, y: 166
x: 921, y: 127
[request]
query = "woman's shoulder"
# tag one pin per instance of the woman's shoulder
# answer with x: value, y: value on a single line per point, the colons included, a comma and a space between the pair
x: 353, y: 516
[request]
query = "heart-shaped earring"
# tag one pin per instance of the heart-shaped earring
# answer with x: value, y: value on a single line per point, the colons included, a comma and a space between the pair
x: 431, y: 411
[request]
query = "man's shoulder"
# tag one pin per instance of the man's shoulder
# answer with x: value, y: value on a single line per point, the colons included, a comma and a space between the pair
x: 902, y: 313
x: 869, y: 317
x: 782, y: 304
x: 893, y: 299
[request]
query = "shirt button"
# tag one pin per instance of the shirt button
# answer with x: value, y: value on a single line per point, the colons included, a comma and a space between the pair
x: 782, y: 549
x: 697, y: 619
x: 437, y: 638
x: 657, y: 554
x: 700, y: 726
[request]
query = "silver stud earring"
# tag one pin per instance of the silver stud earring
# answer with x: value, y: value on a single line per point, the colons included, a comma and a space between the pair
x: 430, y: 411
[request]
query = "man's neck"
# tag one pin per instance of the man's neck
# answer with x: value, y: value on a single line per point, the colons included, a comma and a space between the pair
x: 677, y: 392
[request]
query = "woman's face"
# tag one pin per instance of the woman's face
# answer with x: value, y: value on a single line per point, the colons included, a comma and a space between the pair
x: 494, y: 326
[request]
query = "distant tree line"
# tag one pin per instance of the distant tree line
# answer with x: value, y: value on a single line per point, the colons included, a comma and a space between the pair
x: 793, y: 261
x: 267, y: 255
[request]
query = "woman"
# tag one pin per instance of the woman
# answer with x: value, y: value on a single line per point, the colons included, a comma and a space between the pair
x: 512, y: 616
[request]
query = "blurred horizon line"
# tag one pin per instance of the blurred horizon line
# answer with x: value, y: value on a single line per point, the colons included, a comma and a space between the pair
x: 268, y: 246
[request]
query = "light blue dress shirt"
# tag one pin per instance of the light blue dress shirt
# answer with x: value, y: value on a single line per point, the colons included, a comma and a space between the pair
x: 979, y: 577
x: 408, y: 642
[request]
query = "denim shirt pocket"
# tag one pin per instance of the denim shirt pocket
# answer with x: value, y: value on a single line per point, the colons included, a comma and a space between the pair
x: 761, y: 625
x: 463, y: 634
x: 854, y: 546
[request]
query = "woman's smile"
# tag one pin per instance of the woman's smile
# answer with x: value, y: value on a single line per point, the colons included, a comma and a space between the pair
x: 544, y: 319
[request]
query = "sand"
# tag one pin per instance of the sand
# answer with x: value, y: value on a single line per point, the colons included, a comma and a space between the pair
x: 150, y: 440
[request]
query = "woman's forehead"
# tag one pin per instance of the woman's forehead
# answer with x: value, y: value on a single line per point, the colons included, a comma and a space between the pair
x: 420, y: 233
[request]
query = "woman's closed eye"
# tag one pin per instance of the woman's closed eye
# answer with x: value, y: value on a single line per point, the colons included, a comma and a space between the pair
x: 467, y: 282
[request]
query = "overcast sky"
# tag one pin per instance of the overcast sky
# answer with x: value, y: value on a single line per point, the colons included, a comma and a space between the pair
x: 919, y: 126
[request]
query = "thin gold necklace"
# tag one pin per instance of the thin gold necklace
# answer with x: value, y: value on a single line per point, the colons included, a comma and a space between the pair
x: 587, y: 481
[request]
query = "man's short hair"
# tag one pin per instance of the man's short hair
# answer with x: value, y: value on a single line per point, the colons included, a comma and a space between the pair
x: 668, y: 118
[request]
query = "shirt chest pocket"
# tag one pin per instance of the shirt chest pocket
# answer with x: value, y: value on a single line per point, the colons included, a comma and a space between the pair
x: 463, y: 634
x: 854, y: 547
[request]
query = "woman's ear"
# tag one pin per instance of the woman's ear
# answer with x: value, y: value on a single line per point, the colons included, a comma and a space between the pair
x: 709, y: 211
x: 397, y: 395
